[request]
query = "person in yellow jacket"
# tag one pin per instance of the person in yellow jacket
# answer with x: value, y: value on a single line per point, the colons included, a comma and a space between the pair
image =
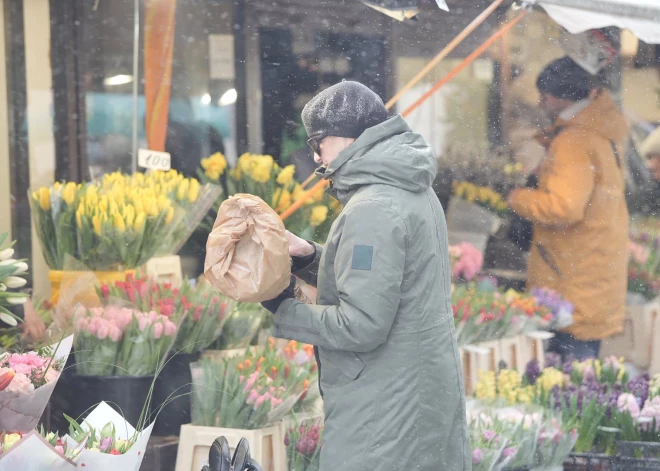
x: 579, y: 212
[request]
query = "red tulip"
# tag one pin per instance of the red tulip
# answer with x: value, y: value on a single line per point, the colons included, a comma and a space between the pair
x: 6, y: 379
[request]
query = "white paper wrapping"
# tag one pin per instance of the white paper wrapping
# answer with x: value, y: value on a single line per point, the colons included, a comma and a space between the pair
x: 131, y: 460
x: 33, y: 453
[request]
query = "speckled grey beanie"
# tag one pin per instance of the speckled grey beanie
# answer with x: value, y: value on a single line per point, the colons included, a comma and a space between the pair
x: 346, y: 109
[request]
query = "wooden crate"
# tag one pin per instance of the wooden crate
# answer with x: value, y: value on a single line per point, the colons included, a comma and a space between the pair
x: 513, y: 353
x: 165, y: 269
x: 532, y: 346
x: 266, y: 446
x: 481, y: 357
x: 639, y: 340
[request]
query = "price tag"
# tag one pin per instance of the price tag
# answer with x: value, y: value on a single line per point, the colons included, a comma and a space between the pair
x: 476, y: 349
x: 153, y: 159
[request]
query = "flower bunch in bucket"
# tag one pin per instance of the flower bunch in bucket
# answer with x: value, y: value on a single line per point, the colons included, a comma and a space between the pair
x: 466, y: 261
x: 120, y: 221
x: 199, y: 311
x: 490, y: 448
x: 260, y: 175
x: 303, y: 444
x: 481, y: 196
x: 120, y: 341
x: 248, y: 391
x: 11, y: 271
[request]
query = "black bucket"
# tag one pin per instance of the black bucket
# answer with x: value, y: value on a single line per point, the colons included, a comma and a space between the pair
x: 173, y: 380
x: 76, y: 396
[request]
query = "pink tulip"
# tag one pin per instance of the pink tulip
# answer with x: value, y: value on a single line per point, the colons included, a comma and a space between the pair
x: 158, y: 330
x: 103, y: 332
x: 170, y: 328
x: 115, y: 333
x: 260, y: 400
x: 252, y: 397
x: 251, y: 380
x: 82, y: 324
x: 143, y: 323
x: 93, y: 325
x: 153, y: 316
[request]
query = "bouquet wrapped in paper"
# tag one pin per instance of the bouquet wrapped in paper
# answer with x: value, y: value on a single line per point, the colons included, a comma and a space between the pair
x: 36, y: 451
x: 119, y: 222
x: 26, y: 382
x: 303, y: 441
x: 120, y: 341
x: 108, y: 441
x: 247, y: 253
x: 249, y: 391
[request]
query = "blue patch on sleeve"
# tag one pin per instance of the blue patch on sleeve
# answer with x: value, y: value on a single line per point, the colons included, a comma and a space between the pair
x: 362, y: 256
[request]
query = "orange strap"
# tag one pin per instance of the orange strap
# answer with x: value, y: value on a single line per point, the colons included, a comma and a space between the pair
x: 445, y: 51
x: 303, y: 198
x: 467, y: 61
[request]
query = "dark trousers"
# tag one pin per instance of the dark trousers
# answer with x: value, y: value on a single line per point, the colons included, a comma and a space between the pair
x: 571, y: 348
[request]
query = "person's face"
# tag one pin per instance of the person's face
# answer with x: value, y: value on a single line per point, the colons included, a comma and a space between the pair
x: 654, y: 165
x: 326, y: 149
x: 552, y: 105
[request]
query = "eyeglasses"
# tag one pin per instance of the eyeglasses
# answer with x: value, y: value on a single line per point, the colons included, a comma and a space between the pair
x: 314, y: 143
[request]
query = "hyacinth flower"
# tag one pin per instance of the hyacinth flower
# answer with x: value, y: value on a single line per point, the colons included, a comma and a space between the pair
x: 303, y: 444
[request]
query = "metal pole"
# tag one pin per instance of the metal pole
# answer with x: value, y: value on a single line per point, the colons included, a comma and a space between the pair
x: 136, y: 79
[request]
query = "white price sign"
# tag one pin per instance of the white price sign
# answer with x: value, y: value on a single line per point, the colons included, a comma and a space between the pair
x: 153, y: 159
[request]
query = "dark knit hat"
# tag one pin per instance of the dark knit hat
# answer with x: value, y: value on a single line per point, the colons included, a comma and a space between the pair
x: 346, y: 109
x: 565, y: 79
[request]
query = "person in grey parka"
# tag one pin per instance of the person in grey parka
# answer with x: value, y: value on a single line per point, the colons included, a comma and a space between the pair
x: 383, y: 328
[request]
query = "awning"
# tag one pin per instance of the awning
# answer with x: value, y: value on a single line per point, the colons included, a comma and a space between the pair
x: 641, y: 17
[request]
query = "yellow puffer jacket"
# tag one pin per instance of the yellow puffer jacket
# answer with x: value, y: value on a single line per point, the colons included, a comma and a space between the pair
x: 580, y: 218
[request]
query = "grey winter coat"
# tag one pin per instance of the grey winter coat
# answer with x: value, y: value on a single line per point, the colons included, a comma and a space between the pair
x: 390, y: 373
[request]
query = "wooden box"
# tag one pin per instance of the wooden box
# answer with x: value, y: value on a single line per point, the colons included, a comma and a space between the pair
x: 638, y: 341
x: 481, y: 357
x: 266, y: 446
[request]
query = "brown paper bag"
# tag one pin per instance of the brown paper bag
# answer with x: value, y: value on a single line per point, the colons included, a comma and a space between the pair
x: 247, y: 252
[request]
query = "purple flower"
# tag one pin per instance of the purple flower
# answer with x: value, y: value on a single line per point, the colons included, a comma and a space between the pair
x: 532, y: 371
x: 552, y: 360
x: 509, y: 452
x: 488, y: 435
x: 106, y: 445
x: 477, y: 456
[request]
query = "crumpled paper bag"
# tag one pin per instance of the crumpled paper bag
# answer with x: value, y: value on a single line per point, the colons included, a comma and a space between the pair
x: 247, y: 252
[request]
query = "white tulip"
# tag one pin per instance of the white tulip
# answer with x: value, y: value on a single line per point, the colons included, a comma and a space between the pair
x: 9, y: 261
x: 17, y: 300
x: 7, y: 253
x: 15, y: 282
x: 7, y: 319
x: 21, y: 267
x: 2, y: 287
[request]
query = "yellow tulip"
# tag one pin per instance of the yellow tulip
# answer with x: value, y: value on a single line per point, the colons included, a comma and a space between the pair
x: 118, y: 222
x: 214, y: 166
x: 44, y: 198
x: 170, y: 215
x: 97, y: 223
x: 139, y: 205
x: 319, y: 215
x: 139, y: 221
x: 182, y: 192
x: 286, y: 175
x: 69, y: 193
x: 57, y: 186
x: 79, y: 219
x: 281, y: 200
x: 193, y: 193
x: 151, y: 207
x: 163, y: 203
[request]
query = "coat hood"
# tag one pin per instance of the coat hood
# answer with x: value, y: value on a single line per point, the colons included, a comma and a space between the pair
x: 386, y: 154
x: 601, y: 117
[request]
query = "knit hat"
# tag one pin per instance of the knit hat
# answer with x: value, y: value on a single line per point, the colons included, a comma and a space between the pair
x: 651, y: 145
x: 565, y: 79
x: 346, y: 109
